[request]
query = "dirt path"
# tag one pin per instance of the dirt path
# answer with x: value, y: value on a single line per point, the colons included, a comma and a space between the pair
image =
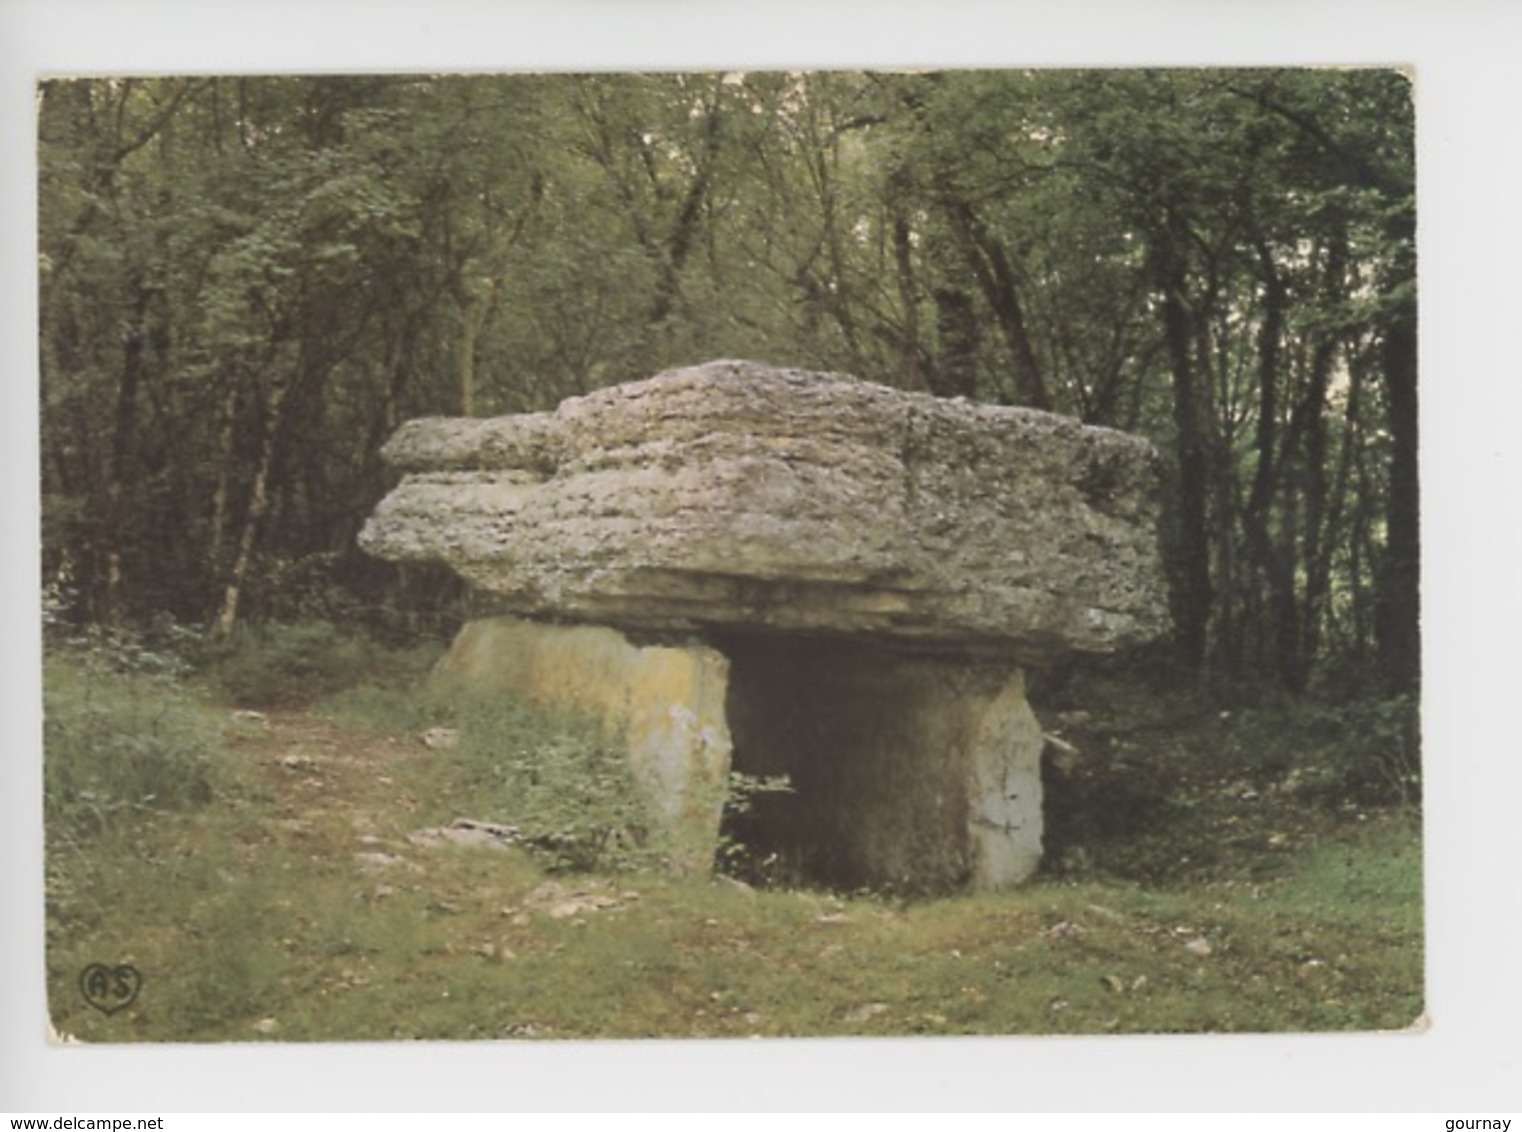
x: 327, y: 779
x: 368, y: 805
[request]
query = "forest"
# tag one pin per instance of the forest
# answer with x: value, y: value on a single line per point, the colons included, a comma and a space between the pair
x: 251, y: 788
x: 247, y: 283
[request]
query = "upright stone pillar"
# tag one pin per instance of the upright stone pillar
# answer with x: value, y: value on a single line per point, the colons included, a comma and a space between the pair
x: 913, y: 772
x: 1004, y: 787
x: 665, y: 702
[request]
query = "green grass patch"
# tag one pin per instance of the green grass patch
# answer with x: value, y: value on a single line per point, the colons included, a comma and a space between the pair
x: 1170, y: 790
x: 562, y: 781
x: 293, y: 665
x: 120, y: 744
x: 288, y: 943
x: 283, y: 899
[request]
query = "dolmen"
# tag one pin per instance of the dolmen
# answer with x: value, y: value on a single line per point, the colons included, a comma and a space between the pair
x: 775, y: 572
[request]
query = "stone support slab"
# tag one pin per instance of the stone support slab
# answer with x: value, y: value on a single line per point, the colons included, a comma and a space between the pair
x: 666, y: 701
x: 914, y: 773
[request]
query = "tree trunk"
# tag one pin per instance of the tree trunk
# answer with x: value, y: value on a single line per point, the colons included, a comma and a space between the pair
x: 123, y: 432
x: 258, y: 503
x: 472, y: 314
x: 956, y: 372
x: 1275, y: 562
x: 1322, y: 502
x: 838, y: 298
x: 996, y: 279
x: 903, y: 260
x: 227, y: 430
x: 1194, y: 593
x: 684, y: 231
x: 1398, y: 608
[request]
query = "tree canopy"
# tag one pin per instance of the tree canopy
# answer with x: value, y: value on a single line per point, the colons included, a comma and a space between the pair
x: 247, y: 283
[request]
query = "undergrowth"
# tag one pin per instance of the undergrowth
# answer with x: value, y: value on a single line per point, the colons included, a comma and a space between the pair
x: 293, y: 665
x: 1209, y: 870
x: 562, y: 781
x: 1167, y: 788
x: 120, y: 743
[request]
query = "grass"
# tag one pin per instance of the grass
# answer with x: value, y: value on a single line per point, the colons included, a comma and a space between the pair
x: 464, y: 952
x: 120, y: 744
x: 290, y: 905
x: 293, y: 665
x: 563, y: 782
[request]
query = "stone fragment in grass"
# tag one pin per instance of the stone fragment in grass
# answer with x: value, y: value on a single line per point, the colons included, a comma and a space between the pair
x: 467, y: 832
x: 562, y: 902
x: 441, y: 738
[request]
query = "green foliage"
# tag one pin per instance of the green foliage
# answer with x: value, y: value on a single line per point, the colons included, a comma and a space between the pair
x: 563, y: 781
x: 1237, y: 893
x: 743, y: 794
x: 285, y: 940
x: 288, y: 665
x: 1359, y: 753
x: 231, y: 979
x: 745, y: 789
x: 1168, y: 788
x: 285, y: 268
x: 119, y: 744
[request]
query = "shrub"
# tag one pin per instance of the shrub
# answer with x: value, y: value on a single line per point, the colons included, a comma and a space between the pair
x: 564, y: 781
x: 738, y: 857
x: 1378, y: 756
x: 118, y: 743
x: 1365, y: 752
x: 291, y: 665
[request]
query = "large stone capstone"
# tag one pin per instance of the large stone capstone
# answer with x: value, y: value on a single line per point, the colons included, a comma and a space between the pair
x: 863, y: 572
x: 734, y: 495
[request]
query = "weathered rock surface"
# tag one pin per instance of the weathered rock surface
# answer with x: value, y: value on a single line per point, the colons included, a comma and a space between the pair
x: 666, y: 702
x: 916, y: 772
x: 842, y: 582
x: 735, y: 495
